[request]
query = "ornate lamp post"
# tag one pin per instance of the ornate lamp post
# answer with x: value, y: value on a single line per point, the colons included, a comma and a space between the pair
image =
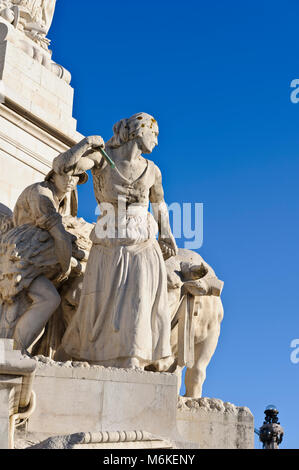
x: 271, y: 433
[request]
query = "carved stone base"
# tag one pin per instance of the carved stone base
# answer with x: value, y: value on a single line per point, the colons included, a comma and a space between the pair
x: 215, y: 424
x: 99, y: 401
x: 7, y: 385
x: 101, y: 440
x: 16, y: 376
x: 73, y: 397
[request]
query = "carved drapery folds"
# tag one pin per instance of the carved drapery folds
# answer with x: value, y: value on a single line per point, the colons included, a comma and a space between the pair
x: 34, y: 17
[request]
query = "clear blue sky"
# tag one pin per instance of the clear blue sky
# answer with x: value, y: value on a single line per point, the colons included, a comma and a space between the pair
x: 216, y: 75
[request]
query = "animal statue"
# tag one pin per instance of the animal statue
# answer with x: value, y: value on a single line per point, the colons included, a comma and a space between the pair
x: 196, y: 312
x: 69, y: 290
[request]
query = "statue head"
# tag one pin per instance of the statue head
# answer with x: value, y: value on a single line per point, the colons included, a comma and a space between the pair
x: 65, y: 183
x: 141, y: 127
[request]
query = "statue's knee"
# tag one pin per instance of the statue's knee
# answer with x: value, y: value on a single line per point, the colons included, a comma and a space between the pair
x: 198, y: 374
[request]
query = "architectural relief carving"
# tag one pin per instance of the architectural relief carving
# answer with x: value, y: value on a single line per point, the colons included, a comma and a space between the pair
x: 33, y: 17
x: 26, y: 24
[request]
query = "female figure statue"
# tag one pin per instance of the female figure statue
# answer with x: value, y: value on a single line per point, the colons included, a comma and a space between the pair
x: 123, y: 317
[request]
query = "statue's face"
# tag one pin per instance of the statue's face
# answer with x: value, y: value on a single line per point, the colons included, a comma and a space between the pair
x: 65, y: 183
x: 149, y: 139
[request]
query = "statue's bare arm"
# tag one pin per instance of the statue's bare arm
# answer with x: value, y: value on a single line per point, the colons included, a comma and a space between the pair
x: 63, y: 249
x: 160, y: 212
x: 82, y: 157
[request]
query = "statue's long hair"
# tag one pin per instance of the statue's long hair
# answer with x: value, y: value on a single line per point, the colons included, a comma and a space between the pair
x: 129, y: 129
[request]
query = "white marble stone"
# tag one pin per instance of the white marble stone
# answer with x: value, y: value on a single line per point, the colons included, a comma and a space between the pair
x: 36, y: 122
x: 5, y: 391
x: 82, y: 398
x: 133, y: 328
x: 33, y: 87
x: 16, y: 376
x: 26, y: 154
x: 215, y: 424
x: 100, y: 441
x: 32, y: 17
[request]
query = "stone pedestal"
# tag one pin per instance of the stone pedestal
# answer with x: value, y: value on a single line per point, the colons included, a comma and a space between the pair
x: 36, y: 121
x: 215, y: 424
x: 4, y: 416
x: 99, y: 402
x: 9, y: 388
x: 93, y: 407
x: 72, y: 398
x: 16, y: 377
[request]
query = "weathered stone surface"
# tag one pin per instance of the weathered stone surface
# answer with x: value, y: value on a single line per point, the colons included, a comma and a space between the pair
x: 5, y: 391
x: 196, y: 314
x: 26, y: 153
x: 32, y: 17
x: 109, y: 399
x: 75, y: 397
x: 101, y: 440
x: 16, y: 378
x: 133, y: 327
x: 215, y: 424
x: 41, y: 250
x: 33, y: 87
x: 36, y: 121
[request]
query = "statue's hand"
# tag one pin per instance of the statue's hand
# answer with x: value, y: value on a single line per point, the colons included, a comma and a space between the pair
x: 73, y: 265
x: 168, y: 246
x: 95, y: 141
x: 63, y: 276
x: 196, y: 288
x: 211, y: 286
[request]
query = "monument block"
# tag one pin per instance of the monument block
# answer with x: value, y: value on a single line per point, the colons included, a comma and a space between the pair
x: 215, y: 424
x: 36, y: 105
x: 82, y: 398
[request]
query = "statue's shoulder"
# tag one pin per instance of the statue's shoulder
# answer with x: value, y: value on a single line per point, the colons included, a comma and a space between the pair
x: 35, y: 191
x: 153, y: 168
x: 6, y: 219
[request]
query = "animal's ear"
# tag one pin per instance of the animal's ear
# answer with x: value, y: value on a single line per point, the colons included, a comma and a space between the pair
x: 193, y: 271
x: 199, y: 270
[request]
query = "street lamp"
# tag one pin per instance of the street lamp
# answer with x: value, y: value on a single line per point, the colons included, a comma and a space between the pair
x: 271, y: 433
